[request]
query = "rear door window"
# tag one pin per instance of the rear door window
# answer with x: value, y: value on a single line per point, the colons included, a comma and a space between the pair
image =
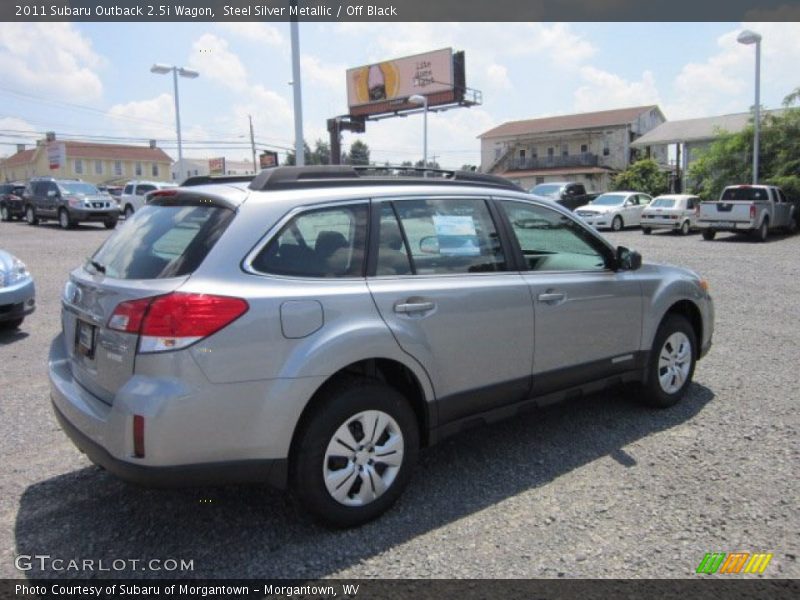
x: 161, y: 241
x: 325, y: 242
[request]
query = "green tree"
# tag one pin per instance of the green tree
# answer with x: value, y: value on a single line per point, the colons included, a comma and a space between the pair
x: 432, y: 164
x: 642, y: 176
x: 358, y: 155
x: 321, y: 154
x: 728, y: 160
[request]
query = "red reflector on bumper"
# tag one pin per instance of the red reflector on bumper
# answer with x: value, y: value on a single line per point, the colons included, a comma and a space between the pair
x: 138, y: 436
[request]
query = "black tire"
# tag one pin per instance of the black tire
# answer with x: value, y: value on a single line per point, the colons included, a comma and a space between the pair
x: 110, y: 223
x: 4, y: 214
x: 762, y: 233
x: 709, y: 234
x: 686, y: 228
x: 617, y: 223
x: 30, y: 216
x: 647, y: 230
x: 792, y: 227
x: 654, y: 393
x: 13, y: 324
x: 63, y: 219
x: 339, y: 402
x: 128, y: 211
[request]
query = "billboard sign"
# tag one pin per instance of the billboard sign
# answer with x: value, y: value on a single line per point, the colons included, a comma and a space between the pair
x: 216, y: 166
x: 56, y: 154
x: 386, y: 86
x: 268, y: 159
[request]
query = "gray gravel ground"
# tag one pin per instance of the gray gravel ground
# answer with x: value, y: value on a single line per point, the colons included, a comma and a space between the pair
x: 600, y: 487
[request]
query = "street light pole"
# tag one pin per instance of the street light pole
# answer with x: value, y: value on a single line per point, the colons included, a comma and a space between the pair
x: 748, y: 37
x: 299, y: 142
x: 419, y: 99
x: 183, y: 72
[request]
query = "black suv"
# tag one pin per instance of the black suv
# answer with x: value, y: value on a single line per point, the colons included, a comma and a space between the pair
x: 11, y: 201
x: 69, y: 201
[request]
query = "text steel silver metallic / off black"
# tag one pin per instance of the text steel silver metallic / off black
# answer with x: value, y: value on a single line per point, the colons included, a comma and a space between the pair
x: 318, y: 326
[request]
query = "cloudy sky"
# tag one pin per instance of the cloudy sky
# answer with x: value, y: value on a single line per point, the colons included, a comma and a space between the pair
x: 93, y: 79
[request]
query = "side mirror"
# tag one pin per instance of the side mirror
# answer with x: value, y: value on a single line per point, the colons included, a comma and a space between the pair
x: 429, y: 244
x: 628, y: 260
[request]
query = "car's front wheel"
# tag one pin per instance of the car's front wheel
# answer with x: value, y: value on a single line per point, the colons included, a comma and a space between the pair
x: 672, y: 362
x: 13, y: 324
x: 110, y: 223
x: 63, y: 219
x: 355, y: 453
x: 30, y: 216
x: 128, y: 212
x: 616, y: 223
x: 4, y: 214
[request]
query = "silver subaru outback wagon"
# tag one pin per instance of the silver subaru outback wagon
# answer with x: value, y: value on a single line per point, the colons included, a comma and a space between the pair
x: 318, y: 326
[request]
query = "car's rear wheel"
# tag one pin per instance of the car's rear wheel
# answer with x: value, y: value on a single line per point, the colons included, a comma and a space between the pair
x: 686, y: 228
x: 762, y: 233
x: 63, y: 219
x: 709, y: 234
x: 355, y: 453
x: 672, y: 362
x: 647, y: 230
x: 616, y: 223
x: 30, y: 216
x: 4, y: 214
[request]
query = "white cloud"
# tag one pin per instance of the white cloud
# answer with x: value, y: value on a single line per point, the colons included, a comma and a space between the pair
x: 314, y: 71
x: 43, y: 57
x: 602, y: 90
x: 497, y: 75
x: 261, y: 33
x: 150, y: 118
x: 212, y: 58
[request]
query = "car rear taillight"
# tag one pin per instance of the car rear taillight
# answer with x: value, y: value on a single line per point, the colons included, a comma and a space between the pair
x: 176, y: 320
x: 752, y: 211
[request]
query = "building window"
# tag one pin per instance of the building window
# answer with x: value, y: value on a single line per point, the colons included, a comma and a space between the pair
x: 155, y: 170
x: 98, y: 167
x: 539, y: 180
x: 534, y: 153
x: 584, y: 148
x: 118, y: 168
x: 497, y: 152
x: 138, y: 169
x: 79, y: 166
x: 551, y: 151
x: 564, y: 150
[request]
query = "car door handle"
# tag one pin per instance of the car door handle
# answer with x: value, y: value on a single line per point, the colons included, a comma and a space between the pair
x: 551, y: 297
x: 413, y: 307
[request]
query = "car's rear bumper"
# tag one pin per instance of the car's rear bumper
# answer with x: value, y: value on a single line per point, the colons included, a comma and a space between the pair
x: 726, y: 225
x: 662, y: 224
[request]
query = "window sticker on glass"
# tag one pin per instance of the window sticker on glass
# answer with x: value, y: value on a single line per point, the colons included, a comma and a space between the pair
x: 456, y: 235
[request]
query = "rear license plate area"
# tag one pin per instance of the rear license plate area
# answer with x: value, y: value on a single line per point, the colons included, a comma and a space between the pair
x: 85, y: 338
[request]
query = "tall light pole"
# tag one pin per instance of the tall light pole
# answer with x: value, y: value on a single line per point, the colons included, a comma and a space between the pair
x: 748, y: 37
x: 183, y: 72
x: 423, y: 100
x: 299, y: 143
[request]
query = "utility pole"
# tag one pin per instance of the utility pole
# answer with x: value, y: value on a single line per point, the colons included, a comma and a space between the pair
x: 253, y: 144
x: 299, y: 150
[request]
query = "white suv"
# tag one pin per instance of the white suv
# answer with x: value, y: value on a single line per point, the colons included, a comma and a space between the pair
x: 133, y: 196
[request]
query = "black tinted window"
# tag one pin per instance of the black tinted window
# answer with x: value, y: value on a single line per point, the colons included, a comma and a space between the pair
x: 745, y: 193
x: 162, y: 241
x: 327, y: 242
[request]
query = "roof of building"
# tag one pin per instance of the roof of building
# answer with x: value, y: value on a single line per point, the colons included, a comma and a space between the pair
x: 603, y: 118
x: 20, y: 158
x: 689, y: 130
x: 79, y: 149
x: 556, y: 171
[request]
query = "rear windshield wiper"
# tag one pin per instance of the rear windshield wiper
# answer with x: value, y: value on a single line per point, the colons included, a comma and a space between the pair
x: 98, y: 267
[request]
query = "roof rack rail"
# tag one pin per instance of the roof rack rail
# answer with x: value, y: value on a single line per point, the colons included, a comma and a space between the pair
x: 205, y: 179
x: 285, y: 178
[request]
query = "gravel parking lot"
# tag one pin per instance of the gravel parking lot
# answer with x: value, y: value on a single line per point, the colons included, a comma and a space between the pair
x: 600, y: 487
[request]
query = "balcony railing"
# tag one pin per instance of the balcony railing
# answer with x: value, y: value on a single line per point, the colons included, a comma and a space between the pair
x: 585, y: 159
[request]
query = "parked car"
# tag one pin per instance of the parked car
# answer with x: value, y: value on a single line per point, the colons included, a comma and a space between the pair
x: 133, y: 195
x: 614, y: 210
x: 310, y: 329
x: 11, y: 206
x: 566, y: 193
x: 754, y: 209
x: 677, y: 212
x: 17, y: 291
x: 69, y: 201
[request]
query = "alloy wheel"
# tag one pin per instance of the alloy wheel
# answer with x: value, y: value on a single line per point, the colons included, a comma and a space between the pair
x: 674, y: 362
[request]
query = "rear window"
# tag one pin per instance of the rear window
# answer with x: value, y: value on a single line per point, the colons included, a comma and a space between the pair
x: 745, y: 193
x: 162, y: 241
x: 663, y: 203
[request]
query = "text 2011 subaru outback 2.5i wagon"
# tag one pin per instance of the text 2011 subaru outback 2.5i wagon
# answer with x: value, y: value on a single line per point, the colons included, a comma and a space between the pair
x: 318, y: 327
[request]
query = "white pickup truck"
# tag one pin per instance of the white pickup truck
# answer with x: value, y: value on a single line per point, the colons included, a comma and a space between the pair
x: 756, y: 209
